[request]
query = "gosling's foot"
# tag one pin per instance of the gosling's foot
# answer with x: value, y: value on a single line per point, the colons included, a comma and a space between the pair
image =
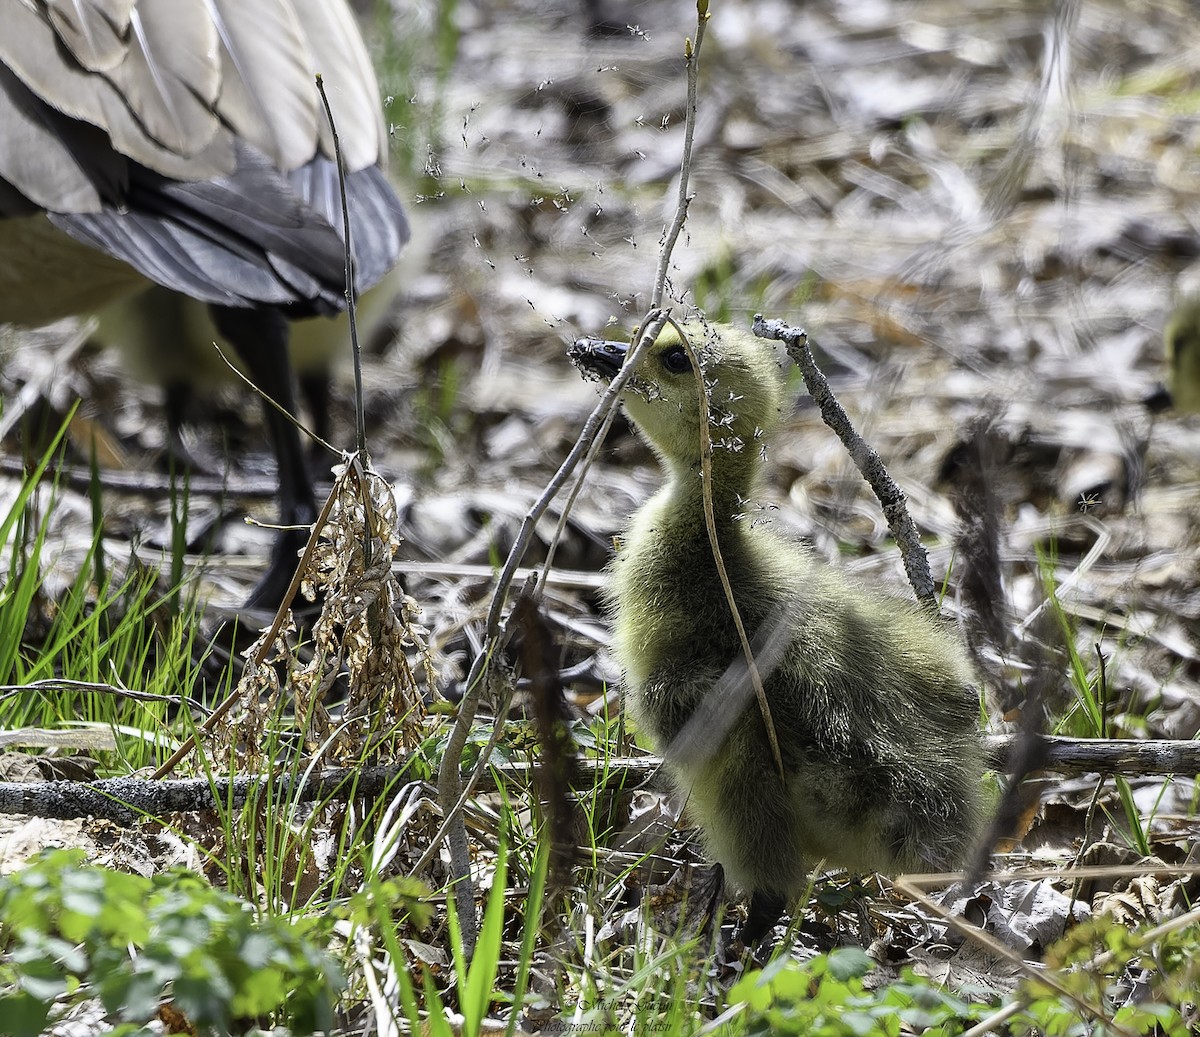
x: 766, y: 908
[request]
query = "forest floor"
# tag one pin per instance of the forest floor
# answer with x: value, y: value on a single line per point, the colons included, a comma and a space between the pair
x: 979, y: 212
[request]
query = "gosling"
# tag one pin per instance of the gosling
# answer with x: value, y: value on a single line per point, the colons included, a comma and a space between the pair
x: 1181, y: 342
x: 872, y: 700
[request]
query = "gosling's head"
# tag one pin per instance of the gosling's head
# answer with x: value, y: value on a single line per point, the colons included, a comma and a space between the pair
x: 741, y: 375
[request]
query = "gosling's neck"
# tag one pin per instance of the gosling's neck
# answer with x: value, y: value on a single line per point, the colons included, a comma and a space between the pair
x: 734, y: 477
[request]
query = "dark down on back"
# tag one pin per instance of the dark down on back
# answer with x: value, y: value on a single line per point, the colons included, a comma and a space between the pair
x: 872, y: 700
x: 183, y: 143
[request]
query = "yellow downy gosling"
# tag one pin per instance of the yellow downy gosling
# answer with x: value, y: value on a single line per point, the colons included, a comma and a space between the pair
x: 873, y: 701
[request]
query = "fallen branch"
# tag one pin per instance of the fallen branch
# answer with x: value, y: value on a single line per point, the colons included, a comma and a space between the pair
x: 124, y: 800
x: 149, y: 484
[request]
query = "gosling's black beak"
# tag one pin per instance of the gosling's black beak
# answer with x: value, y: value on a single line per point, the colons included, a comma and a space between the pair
x: 598, y: 357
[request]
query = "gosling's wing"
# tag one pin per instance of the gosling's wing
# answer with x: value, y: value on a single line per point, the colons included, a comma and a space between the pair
x: 186, y: 138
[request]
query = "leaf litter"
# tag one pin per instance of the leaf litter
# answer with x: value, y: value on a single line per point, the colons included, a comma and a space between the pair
x: 972, y: 208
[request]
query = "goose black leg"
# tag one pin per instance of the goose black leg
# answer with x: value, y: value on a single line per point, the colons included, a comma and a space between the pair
x: 260, y: 336
x: 314, y: 387
x: 177, y: 401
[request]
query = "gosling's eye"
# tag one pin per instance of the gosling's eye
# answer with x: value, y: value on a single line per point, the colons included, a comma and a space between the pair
x: 676, y: 360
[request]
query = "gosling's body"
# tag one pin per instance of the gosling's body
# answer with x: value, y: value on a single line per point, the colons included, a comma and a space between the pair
x: 872, y: 700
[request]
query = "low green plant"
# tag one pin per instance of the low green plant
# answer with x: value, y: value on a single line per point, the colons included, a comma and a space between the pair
x: 24, y: 535
x: 1089, y: 715
x: 827, y: 997
x: 1102, y: 961
x: 476, y: 972
x: 111, y: 627
x: 1099, y: 962
x: 72, y: 932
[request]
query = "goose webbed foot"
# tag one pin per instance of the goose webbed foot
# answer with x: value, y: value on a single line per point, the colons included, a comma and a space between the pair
x: 766, y: 908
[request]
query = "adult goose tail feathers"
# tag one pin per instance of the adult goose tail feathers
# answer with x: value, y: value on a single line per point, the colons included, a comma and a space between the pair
x: 184, y: 143
x: 188, y: 140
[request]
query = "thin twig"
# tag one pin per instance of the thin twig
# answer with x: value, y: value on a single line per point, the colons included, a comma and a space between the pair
x: 891, y: 497
x: 360, y: 418
x: 565, y: 512
x: 60, y: 684
x: 452, y: 795
x: 272, y: 402
x: 710, y: 524
x: 691, y: 54
x: 360, y: 415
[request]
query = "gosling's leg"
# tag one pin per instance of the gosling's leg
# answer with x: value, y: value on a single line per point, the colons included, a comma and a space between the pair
x: 766, y: 907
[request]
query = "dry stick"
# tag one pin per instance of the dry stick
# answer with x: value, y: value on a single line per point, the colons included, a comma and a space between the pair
x: 8, y: 691
x: 360, y: 415
x: 868, y: 462
x: 63, y: 799
x: 651, y: 324
x: 349, y: 298
x: 452, y: 795
x: 264, y: 643
x: 691, y: 54
x: 272, y: 402
x: 1128, y: 756
x: 710, y: 524
x: 649, y: 327
x: 126, y: 800
x: 565, y: 513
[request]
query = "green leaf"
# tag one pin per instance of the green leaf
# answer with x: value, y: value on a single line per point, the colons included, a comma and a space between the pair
x: 477, y: 996
x: 24, y: 1014
x: 849, y: 963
